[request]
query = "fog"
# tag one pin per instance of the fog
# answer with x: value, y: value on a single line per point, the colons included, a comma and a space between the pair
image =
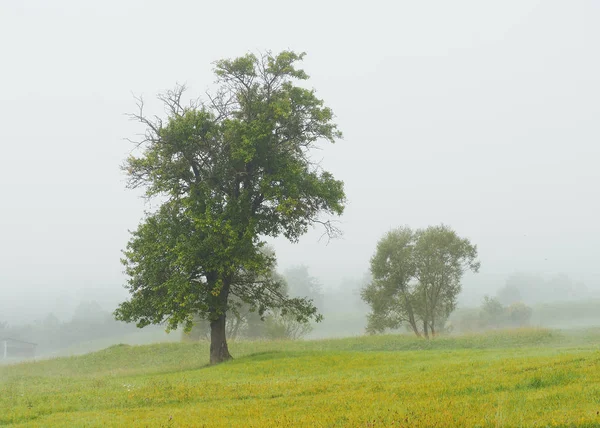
x: 480, y: 116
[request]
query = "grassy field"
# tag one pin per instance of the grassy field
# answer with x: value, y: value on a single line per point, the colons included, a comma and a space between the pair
x: 517, y: 378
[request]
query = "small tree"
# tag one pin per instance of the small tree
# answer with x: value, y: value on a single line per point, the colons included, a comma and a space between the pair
x: 280, y: 326
x: 519, y: 314
x: 230, y: 171
x: 416, y: 278
x: 509, y: 294
x: 492, y: 314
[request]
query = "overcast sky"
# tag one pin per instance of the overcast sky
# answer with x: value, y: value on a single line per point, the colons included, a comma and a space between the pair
x: 480, y: 115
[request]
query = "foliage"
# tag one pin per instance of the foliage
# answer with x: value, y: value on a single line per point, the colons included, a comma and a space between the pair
x: 301, y: 284
x: 247, y: 324
x: 519, y: 314
x: 416, y: 278
x: 243, y: 321
x: 230, y: 171
x: 522, y: 378
x: 280, y: 326
x: 492, y: 313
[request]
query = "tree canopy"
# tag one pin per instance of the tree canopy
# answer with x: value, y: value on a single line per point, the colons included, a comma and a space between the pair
x: 229, y: 171
x: 416, y: 278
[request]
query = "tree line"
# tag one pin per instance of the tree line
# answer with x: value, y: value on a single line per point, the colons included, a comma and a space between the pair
x: 89, y: 323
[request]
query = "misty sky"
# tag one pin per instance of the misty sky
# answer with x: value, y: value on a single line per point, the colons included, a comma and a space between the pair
x: 480, y: 115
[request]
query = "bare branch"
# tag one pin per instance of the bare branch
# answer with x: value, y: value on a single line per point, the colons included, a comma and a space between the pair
x: 172, y: 100
x: 330, y: 229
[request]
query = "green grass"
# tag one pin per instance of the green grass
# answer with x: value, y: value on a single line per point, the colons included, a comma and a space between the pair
x: 517, y: 378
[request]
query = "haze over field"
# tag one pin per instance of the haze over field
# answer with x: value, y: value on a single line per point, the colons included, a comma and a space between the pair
x: 480, y: 116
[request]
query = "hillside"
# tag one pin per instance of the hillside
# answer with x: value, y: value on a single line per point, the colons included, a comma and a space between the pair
x: 525, y: 377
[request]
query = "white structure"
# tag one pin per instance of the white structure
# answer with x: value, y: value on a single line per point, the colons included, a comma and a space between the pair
x: 11, y: 348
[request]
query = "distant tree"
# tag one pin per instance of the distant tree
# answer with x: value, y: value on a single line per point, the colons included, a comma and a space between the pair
x: 301, y: 284
x: 519, y: 314
x: 242, y: 318
x: 509, y: 294
x: 230, y: 172
x: 51, y: 322
x: 441, y: 259
x: 89, y: 311
x: 200, y: 330
x: 346, y: 297
x: 530, y: 288
x: 465, y: 320
x: 280, y: 326
x: 244, y: 321
x: 416, y: 278
x: 492, y: 314
x: 495, y: 315
x: 562, y: 287
x: 392, y: 294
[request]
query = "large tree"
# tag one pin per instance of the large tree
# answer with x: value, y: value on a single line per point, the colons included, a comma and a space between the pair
x: 229, y: 172
x: 416, y: 278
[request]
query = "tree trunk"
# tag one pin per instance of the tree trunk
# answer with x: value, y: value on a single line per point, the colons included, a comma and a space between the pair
x: 218, y: 341
x: 425, y: 330
x: 432, y: 325
x: 411, y: 316
x: 236, y: 328
x: 415, y: 327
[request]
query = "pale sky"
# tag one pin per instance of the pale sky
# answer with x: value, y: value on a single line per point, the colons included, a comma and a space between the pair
x: 479, y: 115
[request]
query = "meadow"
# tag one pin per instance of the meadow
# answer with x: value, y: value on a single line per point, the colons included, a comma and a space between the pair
x: 531, y: 377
